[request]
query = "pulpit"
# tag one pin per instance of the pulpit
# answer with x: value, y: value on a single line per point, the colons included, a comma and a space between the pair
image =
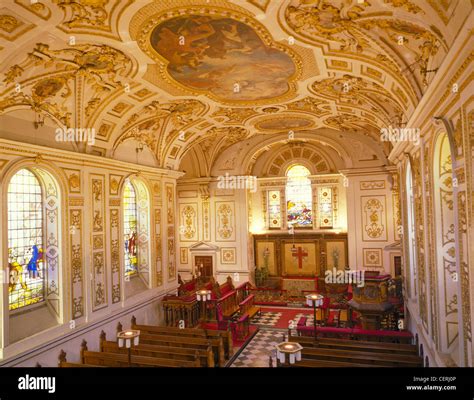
x: 371, y: 300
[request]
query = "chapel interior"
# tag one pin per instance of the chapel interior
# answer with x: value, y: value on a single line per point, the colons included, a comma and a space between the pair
x: 236, y: 183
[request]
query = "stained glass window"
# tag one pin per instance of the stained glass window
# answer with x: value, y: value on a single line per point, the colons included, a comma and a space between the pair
x: 325, y: 207
x: 25, y: 240
x: 130, y: 218
x: 274, y: 211
x: 298, y: 197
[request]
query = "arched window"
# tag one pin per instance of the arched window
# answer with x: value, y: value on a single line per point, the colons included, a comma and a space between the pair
x: 411, y: 230
x: 136, y: 234
x: 25, y: 240
x: 130, y: 219
x: 299, y: 197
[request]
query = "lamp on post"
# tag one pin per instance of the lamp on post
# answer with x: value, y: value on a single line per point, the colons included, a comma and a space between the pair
x: 128, y: 339
x: 288, y: 352
x: 314, y: 300
x: 203, y: 296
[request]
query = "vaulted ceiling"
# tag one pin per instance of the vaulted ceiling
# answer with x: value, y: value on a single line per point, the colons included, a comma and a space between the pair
x: 194, y: 78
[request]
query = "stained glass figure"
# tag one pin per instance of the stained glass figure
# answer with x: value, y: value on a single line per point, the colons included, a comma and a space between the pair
x: 25, y: 240
x: 130, y: 219
x: 299, y: 197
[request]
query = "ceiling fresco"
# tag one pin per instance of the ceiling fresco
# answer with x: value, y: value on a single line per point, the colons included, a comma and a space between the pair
x: 222, y: 56
x: 208, y: 76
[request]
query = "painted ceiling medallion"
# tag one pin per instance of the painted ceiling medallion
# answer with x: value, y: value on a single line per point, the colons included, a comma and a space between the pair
x: 223, y: 58
x: 284, y: 123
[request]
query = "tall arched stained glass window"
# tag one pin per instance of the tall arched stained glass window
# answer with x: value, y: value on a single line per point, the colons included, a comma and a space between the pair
x: 299, y: 197
x: 130, y: 219
x: 25, y: 240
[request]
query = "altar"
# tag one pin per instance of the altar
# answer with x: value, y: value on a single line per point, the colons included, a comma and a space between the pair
x: 297, y: 287
x: 301, y: 257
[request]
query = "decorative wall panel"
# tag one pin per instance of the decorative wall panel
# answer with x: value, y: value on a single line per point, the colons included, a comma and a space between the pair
x: 158, y: 248
x: 115, y: 253
x: 170, y: 241
x: 420, y: 239
x: 374, y: 218
x: 183, y: 255
x: 372, y: 258
x: 74, y: 180
x: 77, y: 262
x: 228, y: 255
x: 188, y: 226
x: 98, y: 256
x: 206, y: 222
x: 53, y: 237
x: 225, y: 221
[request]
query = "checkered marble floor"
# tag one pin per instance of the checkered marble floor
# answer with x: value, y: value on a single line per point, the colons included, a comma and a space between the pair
x: 269, y: 319
x: 257, y: 352
x: 266, y: 318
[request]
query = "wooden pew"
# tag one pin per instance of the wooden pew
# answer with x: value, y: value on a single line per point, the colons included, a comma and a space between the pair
x: 379, y: 359
x: 380, y: 347
x: 63, y: 363
x: 309, y: 363
x: 187, y: 342
x: 121, y: 360
x: 229, y: 304
x: 386, y: 336
x: 206, y: 357
x: 248, y: 307
x: 189, y: 332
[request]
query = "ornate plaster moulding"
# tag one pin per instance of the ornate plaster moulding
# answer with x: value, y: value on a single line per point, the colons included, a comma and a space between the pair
x: 284, y: 123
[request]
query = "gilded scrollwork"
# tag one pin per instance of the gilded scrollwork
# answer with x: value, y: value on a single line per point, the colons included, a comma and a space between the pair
x: 94, y: 68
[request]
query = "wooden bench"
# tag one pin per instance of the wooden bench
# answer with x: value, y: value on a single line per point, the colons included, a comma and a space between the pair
x: 63, y: 363
x: 186, y: 308
x: 189, y: 332
x: 122, y: 360
x: 187, y: 342
x: 309, y: 363
x: 248, y: 307
x: 381, y: 347
x: 206, y: 357
x: 403, y: 337
x: 228, y: 304
x: 379, y: 359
